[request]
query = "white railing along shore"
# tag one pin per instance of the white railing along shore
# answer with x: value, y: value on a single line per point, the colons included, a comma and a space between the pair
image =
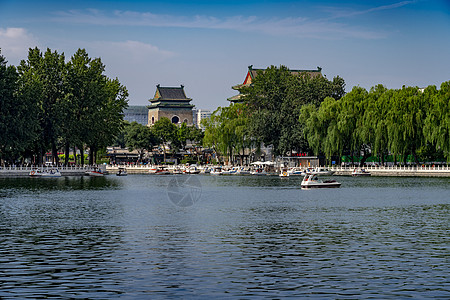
x: 410, y: 168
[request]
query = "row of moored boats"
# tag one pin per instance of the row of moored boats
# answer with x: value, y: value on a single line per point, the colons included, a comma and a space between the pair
x: 310, y: 175
x: 54, y: 172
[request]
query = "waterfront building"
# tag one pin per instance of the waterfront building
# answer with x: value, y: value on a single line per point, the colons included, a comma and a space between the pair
x: 134, y: 113
x: 172, y: 103
x: 199, y: 115
x: 252, y: 73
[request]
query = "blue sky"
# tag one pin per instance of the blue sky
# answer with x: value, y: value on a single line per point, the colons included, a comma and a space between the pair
x: 208, y: 45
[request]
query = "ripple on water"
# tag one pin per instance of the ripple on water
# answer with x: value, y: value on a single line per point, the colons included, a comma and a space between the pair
x: 246, y: 238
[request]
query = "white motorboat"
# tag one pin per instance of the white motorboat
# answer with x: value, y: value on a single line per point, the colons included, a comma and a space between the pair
x: 243, y: 171
x: 177, y: 171
x: 295, y: 172
x: 122, y: 172
x: 191, y: 170
x: 360, y: 172
x: 206, y: 170
x: 232, y: 171
x: 36, y: 173
x: 51, y: 173
x: 159, y: 171
x: 216, y: 171
x: 312, y: 181
x: 259, y: 172
x: 321, y: 171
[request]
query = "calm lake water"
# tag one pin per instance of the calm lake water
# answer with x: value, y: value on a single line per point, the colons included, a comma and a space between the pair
x: 148, y: 237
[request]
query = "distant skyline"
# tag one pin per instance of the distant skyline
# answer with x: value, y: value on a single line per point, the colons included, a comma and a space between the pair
x: 208, y: 45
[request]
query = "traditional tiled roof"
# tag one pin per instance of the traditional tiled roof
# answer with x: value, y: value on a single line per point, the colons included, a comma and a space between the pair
x: 252, y: 73
x: 170, y: 97
x: 170, y: 93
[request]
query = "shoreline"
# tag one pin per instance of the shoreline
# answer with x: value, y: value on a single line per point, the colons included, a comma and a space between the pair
x: 408, y: 171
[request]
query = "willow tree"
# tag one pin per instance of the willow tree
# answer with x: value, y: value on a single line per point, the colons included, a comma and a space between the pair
x: 405, y: 122
x: 373, y: 127
x: 226, y: 131
x: 349, y: 121
x: 321, y: 127
x: 437, y: 123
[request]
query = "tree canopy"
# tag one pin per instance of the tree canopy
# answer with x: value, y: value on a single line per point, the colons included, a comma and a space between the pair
x: 55, y: 104
x: 403, y: 122
x: 274, y: 101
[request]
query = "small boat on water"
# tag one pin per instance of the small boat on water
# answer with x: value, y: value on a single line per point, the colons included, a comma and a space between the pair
x: 51, y: 173
x: 321, y: 171
x: 360, y: 172
x: 232, y: 171
x: 159, y: 171
x: 45, y: 173
x: 122, y: 172
x: 206, y: 170
x: 312, y: 181
x: 216, y: 171
x: 177, y: 171
x: 295, y: 172
x: 243, y: 171
x: 36, y: 173
x: 95, y: 172
x: 259, y: 172
x: 191, y: 170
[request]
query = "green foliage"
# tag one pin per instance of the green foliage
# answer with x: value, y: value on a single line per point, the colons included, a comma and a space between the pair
x: 275, y: 100
x: 226, y: 131
x: 188, y: 161
x: 59, y: 104
x: 141, y: 138
x: 402, y: 122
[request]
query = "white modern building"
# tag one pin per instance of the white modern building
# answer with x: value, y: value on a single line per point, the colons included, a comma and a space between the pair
x: 199, y: 115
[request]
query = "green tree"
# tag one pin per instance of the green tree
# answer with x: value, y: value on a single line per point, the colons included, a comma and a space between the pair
x: 350, y: 122
x: 107, y: 120
x: 373, y: 127
x: 437, y: 122
x: 141, y: 138
x: 226, y: 131
x: 44, y: 75
x: 182, y: 135
x: 166, y: 132
x: 275, y: 99
x: 405, y: 122
x: 13, y: 126
x: 94, y: 105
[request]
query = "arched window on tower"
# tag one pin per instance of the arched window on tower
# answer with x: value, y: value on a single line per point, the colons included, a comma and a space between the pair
x: 175, y: 120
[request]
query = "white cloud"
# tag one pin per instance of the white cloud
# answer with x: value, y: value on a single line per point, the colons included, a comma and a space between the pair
x: 15, y: 43
x: 339, y: 13
x: 136, y: 50
x: 295, y: 27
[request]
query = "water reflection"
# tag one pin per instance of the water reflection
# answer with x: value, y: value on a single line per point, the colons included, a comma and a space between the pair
x: 61, y: 183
